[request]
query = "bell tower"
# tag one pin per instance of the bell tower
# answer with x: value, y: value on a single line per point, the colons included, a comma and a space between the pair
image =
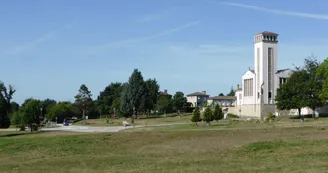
x: 265, y: 58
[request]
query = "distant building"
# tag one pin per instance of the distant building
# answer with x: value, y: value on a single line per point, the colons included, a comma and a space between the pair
x: 259, y: 86
x: 197, y: 98
x: 223, y: 101
x: 164, y: 92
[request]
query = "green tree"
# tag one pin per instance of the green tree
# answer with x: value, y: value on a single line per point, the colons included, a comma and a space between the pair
x: 292, y: 94
x: 30, y: 113
x: 221, y: 94
x: 232, y: 92
x: 152, y: 93
x: 14, y: 107
x: 46, y: 104
x: 208, y: 115
x: 6, y: 95
x: 109, y: 98
x: 83, y: 99
x: 196, y: 115
x: 60, y: 111
x: 313, y: 84
x: 134, y: 95
x: 178, y: 101
x: 322, y: 77
x: 164, y: 103
x: 217, y: 113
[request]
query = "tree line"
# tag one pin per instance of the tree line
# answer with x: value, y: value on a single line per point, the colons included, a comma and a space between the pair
x: 135, y: 97
x: 306, y: 87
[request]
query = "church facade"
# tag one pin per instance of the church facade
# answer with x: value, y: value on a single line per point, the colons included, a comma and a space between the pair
x: 259, y: 86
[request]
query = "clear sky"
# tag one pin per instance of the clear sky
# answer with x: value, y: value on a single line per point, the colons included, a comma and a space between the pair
x: 49, y: 48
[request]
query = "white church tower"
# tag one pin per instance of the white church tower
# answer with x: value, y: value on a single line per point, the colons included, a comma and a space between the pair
x: 265, y: 58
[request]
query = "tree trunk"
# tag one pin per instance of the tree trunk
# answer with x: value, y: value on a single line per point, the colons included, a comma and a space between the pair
x: 313, y: 114
x: 31, y: 127
x: 299, y: 112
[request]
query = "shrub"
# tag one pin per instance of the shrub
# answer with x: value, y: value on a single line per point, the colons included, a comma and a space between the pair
x: 196, y: 115
x: 270, y: 117
x: 217, y: 113
x: 232, y: 115
x: 208, y: 115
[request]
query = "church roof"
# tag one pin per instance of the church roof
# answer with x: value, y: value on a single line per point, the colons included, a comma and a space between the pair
x: 267, y: 33
x: 282, y: 70
x: 198, y: 94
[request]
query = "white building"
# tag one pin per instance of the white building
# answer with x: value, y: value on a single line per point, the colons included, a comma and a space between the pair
x: 263, y: 81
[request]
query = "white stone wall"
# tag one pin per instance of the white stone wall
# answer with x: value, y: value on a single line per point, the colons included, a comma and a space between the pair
x: 239, y: 100
x: 262, y: 71
x: 248, y: 99
x: 283, y: 74
x: 252, y: 110
x: 192, y: 100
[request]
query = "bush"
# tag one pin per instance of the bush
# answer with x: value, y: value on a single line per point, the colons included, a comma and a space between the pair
x: 270, y: 117
x: 232, y: 115
x: 217, y: 113
x: 196, y: 115
x: 208, y: 115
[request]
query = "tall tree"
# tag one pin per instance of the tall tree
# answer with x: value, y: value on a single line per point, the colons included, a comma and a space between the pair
x: 232, y: 92
x: 322, y: 77
x: 83, y: 99
x: 109, y: 99
x: 178, y: 101
x: 164, y: 103
x: 134, y: 95
x: 313, y: 84
x: 14, y: 107
x: 153, y: 93
x: 60, y: 111
x: 31, y: 113
x: 292, y: 94
x: 6, y: 95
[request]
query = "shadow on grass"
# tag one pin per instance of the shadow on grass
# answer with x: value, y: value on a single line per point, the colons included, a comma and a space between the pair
x: 19, y: 133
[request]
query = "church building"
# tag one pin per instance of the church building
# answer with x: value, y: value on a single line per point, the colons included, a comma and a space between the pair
x: 259, y: 86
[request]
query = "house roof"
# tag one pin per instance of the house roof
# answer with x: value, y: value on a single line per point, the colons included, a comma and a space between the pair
x: 282, y: 70
x: 267, y: 33
x: 198, y: 94
x: 222, y: 98
x: 163, y: 93
x: 253, y: 71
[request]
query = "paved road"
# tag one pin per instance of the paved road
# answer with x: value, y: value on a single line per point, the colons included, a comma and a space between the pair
x: 74, y: 128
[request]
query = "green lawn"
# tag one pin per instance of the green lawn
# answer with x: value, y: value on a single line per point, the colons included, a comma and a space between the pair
x: 224, y: 147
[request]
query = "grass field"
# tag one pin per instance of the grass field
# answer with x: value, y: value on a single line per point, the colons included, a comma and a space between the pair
x: 224, y: 147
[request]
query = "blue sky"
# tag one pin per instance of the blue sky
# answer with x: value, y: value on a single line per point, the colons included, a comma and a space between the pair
x: 49, y: 48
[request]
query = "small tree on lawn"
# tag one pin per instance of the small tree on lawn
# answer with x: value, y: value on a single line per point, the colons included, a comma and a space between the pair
x: 196, y: 116
x: 217, y: 113
x: 208, y: 115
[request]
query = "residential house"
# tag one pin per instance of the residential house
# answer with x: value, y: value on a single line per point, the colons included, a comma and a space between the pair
x: 197, y: 98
